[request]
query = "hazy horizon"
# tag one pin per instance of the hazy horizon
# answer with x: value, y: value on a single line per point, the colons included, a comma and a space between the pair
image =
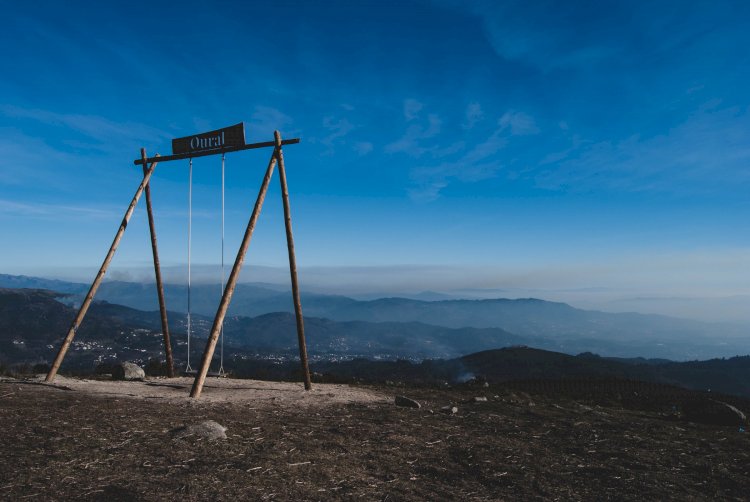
x: 416, y: 282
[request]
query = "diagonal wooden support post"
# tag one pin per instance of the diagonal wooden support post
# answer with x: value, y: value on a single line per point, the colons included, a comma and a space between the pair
x: 293, y: 266
x: 157, y: 273
x: 99, y: 276
x: 208, y: 353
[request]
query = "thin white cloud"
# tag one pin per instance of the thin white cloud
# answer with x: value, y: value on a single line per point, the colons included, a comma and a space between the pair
x: 10, y: 208
x: 556, y: 156
x: 410, y: 142
x: 479, y: 163
x: 519, y: 123
x: 516, y: 33
x: 489, y: 147
x: 429, y: 185
x: 266, y: 119
x: 338, y: 128
x: 705, y: 153
x: 412, y: 107
x: 440, y: 152
x: 93, y: 126
x: 30, y: 161
x: 429, y: 181
x: 433, y: 127
x: 473, y: 115
x: 363, y: 147
x: 590, y: 38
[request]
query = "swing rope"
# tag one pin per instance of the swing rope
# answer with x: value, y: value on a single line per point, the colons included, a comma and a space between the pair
x: 188, y: 368
x: 221, y: 364
x: 190, y: 240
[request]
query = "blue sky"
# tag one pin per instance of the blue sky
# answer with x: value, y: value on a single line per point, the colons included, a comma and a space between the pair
x: 517, y: 146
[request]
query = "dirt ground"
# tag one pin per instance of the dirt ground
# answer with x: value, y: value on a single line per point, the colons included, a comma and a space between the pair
x: 219, y: 390
x: 88, y: 440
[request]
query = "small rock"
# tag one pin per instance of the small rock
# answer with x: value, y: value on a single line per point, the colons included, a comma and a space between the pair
x: 449, y: 410
x: 208, y: 429
x: 480, y: 399
x: 128, y: 371
x: 477, y: 381
x: 405, y: 401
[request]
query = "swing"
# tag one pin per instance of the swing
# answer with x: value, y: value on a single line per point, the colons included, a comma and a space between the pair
x: 230, y: 139
x: 189, y: 371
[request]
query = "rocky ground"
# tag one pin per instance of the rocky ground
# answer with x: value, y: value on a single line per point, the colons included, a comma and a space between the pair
x: 66, y: 442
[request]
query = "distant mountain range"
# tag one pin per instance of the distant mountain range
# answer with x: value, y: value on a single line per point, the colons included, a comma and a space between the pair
x: 731, y: 376
x: 33, y: 322
x: 725, y: 375
x: 540, y: 323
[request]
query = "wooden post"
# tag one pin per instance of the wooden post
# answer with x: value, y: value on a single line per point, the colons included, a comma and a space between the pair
x: 208, y: 353
x: 293, y: 265
x: 157, y: 272
x: 99, y: 276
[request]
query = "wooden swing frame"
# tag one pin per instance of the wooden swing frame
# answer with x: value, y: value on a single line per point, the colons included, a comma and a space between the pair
x: 149, y: 164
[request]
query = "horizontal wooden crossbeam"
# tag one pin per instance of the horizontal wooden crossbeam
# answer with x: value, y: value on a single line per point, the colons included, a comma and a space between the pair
x: 180, y: 156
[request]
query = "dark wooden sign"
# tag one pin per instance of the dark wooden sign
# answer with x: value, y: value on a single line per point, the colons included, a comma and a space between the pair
x: 233, y: 136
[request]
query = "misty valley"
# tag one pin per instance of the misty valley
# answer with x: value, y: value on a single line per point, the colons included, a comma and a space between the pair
x: 378, y: 340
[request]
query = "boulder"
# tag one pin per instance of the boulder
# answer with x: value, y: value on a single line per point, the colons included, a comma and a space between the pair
x: 127, y: 371
x: 449, y: 410
x: 208, y: 429
x: 408, y: 403
x: 477, y: 381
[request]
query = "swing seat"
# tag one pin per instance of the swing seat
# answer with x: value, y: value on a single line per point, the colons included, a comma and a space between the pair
x: 193, y: 373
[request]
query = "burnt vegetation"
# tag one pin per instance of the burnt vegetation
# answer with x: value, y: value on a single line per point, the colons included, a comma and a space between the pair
x: 573, y: 439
